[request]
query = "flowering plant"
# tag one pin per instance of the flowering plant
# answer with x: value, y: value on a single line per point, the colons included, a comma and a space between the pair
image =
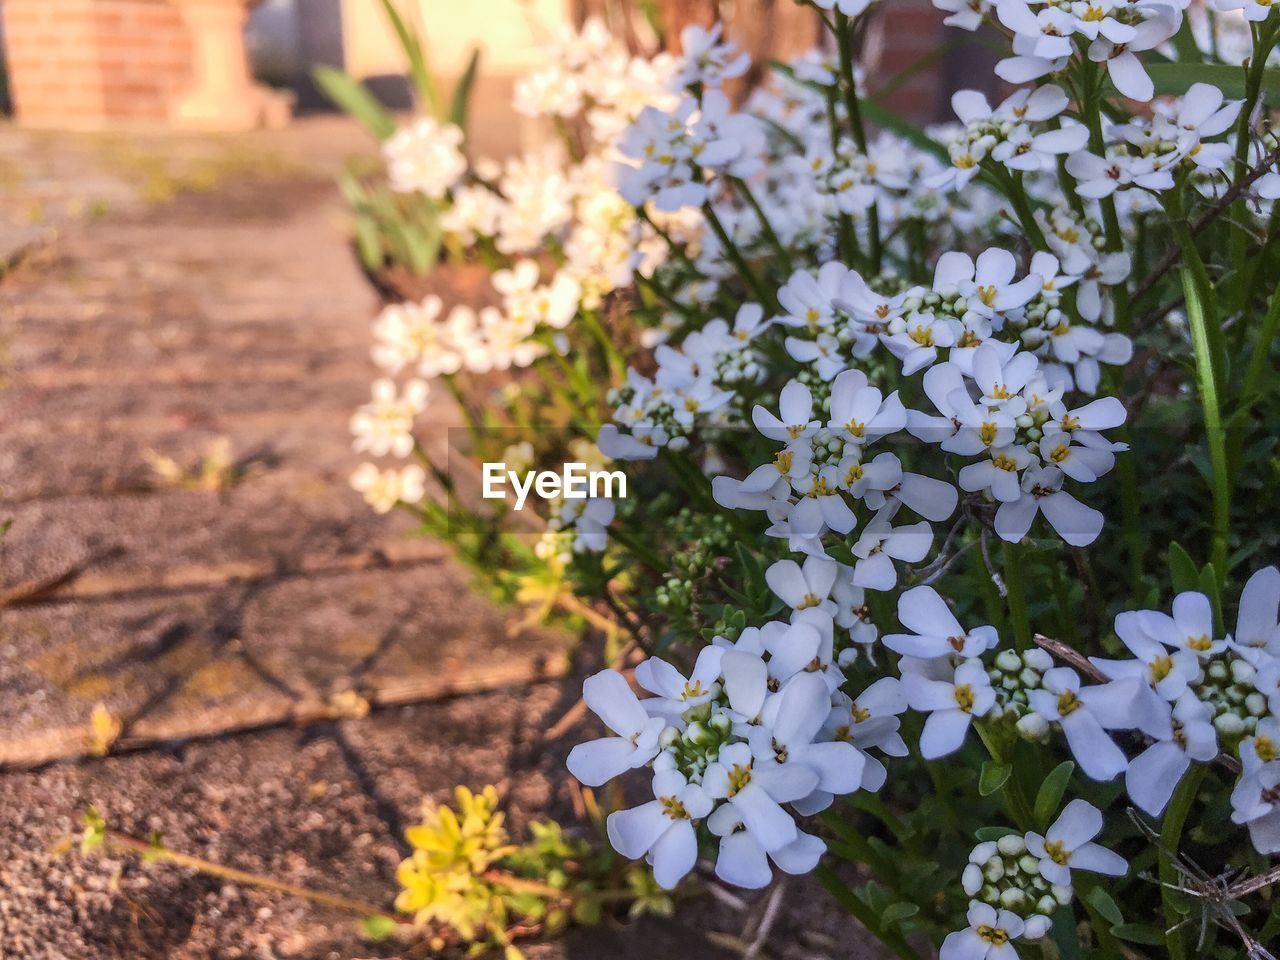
x: 925, y: 428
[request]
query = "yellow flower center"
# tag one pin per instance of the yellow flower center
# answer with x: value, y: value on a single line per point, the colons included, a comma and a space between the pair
x: 673, y: 808
x: 964, y: 697
x: 1056, y: 852
x: 996, y: 936
x: 922, y: 336
x: 1068, y: 702
x: 739, y: 777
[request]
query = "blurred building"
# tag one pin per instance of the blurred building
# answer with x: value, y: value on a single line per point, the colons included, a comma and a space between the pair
x: 237, y: 64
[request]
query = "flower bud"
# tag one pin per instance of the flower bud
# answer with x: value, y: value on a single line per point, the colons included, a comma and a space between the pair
x: 1012, y: 845
x: 1029, y: 865
x: 1038, y: 659
x: 1242, y: 672
x: 1009, y: 661
x: 1036, y: 927
x: 1013, y: 899
x: 1033, y: 727
x: 971, y: 879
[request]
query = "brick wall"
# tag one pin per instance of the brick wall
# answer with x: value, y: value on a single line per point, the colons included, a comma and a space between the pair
x: 87, y: 64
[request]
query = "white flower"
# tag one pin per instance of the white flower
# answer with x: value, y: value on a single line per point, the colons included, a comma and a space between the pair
x: 744, y: 863
x: 964, y: 14
x: 881, y: 543
x: 1190, y: 628
x: 802, y: 588
x: 1042, y: 491
x: 755, y: 789
x: 937, y: 632
x: 1066, y: 846
x: 951, y: 705
x: 424, y: 158
x: 676, y: 693
x: 708, y: 60
x: 1085, y: 714
x: 989, y: 935
x: 383, y: 489
x: 384, y: 426
x: 1255, y: 801
x: 635, y: 739
x: 988, y: 282
x: 411, y: 333
x: 1167, y: 674
x: 617, y: 445
x: 860, y: 413
x: 1120, y: 56
x: 1153, y: 774
x: 1255, y: 11
x: 790, y: 722
x: 795, y: 404
x: 1258, y: 623
x: 662, y: 829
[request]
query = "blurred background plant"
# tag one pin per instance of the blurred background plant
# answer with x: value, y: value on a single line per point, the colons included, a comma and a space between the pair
x: 397, y: 236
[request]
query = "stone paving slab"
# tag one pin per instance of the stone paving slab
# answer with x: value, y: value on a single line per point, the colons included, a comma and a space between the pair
x: 236, y: 312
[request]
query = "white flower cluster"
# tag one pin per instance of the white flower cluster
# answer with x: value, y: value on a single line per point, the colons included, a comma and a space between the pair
x: 1143, y: 154
x: 425, y: 158
x: 1046, y: 34
x: 757, y: 724
x: 692, y: 388
x: 1017, y: 882
x: 1016, y: 133
x: 1201, y: 693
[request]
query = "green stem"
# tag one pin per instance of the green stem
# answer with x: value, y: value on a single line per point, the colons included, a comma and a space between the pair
x: 615, y: 360
x: 1014, y: 583
x: 1260, y: 359
x: 1207, y: 383
x: 766, y: 227
x: 844, y: 41
x: 735, y: 256
x: 1264, y: 38
x: 1175, y: 818
x: 473, y: 422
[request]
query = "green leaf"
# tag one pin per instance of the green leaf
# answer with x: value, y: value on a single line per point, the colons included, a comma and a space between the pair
x: 1184, y: 42
x: 1177, y: 78
x: 1050, y: 793
x: 354, y: 98
x: 993, y: 777
x: 462, y: 92
x: 897, y: 912
x: 377, y: 928
x: 1101, y: 901
x: 1182, y: 569
x: 1139, y: 933
x: 983, y: 834
x: 416, y: 53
